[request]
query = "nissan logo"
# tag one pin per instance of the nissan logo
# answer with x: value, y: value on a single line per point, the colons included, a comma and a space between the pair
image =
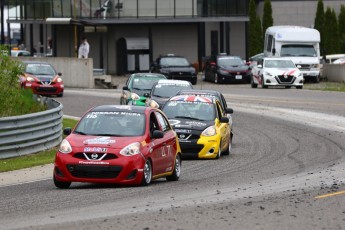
x: 94, y: 156
x: 182, y: 136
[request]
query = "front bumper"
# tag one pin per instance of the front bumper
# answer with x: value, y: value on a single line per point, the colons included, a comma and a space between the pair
x: 204, y: 147
x: 52, y: 89
x: 234, y: 77
x: 280, y: 80
x: 118, y: 170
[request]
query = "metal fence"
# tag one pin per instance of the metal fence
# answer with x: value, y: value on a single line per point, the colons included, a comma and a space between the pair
x: 31, y: 133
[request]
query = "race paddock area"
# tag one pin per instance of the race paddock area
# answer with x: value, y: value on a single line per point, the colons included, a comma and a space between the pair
x: 286, y: 171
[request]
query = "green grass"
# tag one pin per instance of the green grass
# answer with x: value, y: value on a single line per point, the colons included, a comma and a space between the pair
x: 22, y: 103
x: 326, y: 86
x: 41, y: 158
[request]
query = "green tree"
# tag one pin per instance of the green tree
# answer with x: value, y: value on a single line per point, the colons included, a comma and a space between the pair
x: 341, y: 23
x: 319, y: 22
x: 331, y: 42
x: 9, y: 85
x: 254, y: 30
x: 267, y: 18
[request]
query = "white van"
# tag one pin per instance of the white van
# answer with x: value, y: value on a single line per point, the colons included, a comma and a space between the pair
x: 300, y: 44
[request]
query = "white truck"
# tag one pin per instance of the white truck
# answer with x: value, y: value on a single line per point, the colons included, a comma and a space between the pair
x: 300, y: 44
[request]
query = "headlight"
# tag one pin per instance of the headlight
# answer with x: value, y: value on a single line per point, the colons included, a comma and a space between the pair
x: 65, y: 147
x: 135, y: 96
x: 131, y: 149
x: 59, y: 79
x: 314, y: 65
x: 31, y: 79
x: 268, y: 74
x: 210, y: 131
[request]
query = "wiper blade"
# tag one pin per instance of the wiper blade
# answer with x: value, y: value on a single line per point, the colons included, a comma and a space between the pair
x: 107, y: 135
x: 81, y: 133
x: 187, y: 117
x: 137, y: 88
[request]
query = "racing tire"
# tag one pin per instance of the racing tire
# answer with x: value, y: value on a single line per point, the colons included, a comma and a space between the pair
x: 177, y: 170
x: 60, y: 95
x: 263, y: 85
x: 60, y: 184
x: 147, y: 173
x: 252, y: 83
x: 228, y: 150
x: 219, y: 153
x: 299, y: 87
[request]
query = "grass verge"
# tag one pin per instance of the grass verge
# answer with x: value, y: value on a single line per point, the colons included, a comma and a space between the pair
x: 326, y: 86
x: 40, y: 158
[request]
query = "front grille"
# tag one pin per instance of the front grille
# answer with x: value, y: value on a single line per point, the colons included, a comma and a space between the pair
x: 108, y: 156
x: 46, y: 89
x: 94, y: 171
x: 285, y: 79
x: 190, y: 148
x: 304, y: 67
x: 180, y: 75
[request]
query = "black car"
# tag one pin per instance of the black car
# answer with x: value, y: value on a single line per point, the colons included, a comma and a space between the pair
x: 226, y: 69
x: 174, y: 67
x: 212, y: 94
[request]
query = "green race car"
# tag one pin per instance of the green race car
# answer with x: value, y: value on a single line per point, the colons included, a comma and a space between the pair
x: 136, y: 86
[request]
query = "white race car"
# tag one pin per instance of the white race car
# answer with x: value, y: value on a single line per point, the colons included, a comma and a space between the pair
x: 276, y: 72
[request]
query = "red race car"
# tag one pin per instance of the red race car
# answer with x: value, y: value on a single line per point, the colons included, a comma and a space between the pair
x: 118, y: 144
x: 42, y: 78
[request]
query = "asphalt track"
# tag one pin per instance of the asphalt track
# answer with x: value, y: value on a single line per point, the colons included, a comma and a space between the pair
x: 286, y: 171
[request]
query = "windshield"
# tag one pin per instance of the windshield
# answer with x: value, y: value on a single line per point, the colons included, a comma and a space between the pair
x: 230, y: 61
x: 144, y: 83
x: 40, y: 69
x: 279, y: 64
x: 298, y: 51
x: 190, y: 110
x: 174, y: 61
x: 168, y: 90
x: 112, y: 124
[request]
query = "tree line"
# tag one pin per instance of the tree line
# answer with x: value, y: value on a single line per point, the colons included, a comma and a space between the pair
x: 330, y: 26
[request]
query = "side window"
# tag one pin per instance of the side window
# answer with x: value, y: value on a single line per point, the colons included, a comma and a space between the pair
x: 220, y: 111
x: 223, y: 101
x: 163, y: 122
x: 269, y: 43
x: 153, y: 123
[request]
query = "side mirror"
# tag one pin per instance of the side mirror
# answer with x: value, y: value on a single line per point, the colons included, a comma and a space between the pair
x: 146, y: 95
x: 60, y: 74
x: 224, y: 120
x: 157, y: 134
x: 67, y: 131
x: 125, y: 88
x: 229, y: 110
x: 153, y: 104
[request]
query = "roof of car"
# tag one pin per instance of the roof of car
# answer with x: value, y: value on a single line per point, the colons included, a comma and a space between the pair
x: 121, y: 108
x: 192, y: 98
x: 172, y: 81
x: 199, y: 92
x: 148, y: 75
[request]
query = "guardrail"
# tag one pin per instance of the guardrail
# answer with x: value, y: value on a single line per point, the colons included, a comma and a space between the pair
x: 31, y: 133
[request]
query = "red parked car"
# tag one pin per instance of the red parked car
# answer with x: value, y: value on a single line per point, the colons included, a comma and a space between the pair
x: 42, y: 78
x: 118, y: 144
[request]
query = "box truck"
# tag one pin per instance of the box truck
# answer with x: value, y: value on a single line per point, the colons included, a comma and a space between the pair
x: 300, y: 44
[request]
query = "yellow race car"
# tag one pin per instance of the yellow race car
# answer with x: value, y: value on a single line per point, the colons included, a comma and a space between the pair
x: 201, y: 125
